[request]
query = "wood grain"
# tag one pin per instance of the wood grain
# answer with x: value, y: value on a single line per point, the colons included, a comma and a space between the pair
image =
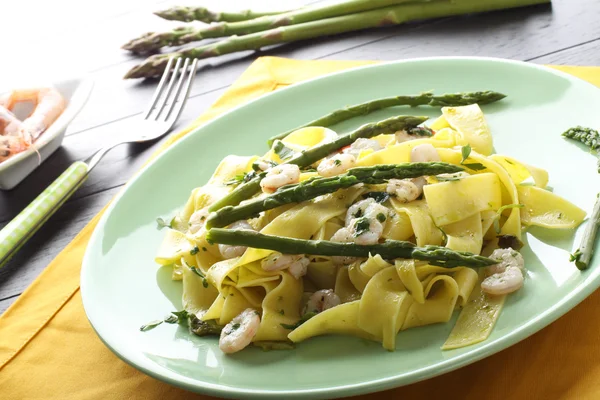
x: 566, y: 33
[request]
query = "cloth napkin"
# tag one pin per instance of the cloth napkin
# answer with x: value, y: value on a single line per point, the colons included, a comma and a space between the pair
x: 48, y: 349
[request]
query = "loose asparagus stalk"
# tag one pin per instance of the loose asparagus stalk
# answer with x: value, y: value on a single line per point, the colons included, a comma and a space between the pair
x: 313, y: 188
x: 147, y: 43
x: 203, y: 14
x: 583, y: 255
x: 392, y: 15
x: 151, y: 41
x: 390, y: 249
x: 444, y: 100
x: 246, y: 190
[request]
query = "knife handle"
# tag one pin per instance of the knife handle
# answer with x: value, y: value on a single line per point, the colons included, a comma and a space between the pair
x: 18, y: 231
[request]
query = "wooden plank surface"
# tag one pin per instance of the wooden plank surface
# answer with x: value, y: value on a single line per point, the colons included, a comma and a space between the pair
x: 565, y: 33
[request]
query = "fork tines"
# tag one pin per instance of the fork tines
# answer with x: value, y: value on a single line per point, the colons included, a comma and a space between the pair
x: 167, y: 107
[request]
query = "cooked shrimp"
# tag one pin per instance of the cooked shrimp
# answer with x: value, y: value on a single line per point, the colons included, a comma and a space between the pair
x: 366, y: 230
x: 277, y: 261
x: 343, y: 235
x: 505, y: 282
x: 9, y: 124
x: 362, y: 144
x: 238, y: 334
x: 321, y: 300
x: 424, y: 153
x: 507, y: 258
x: 299, y: 268
x: 48, y: 105
x: 11, y: 145
x: 336, y: 165
x: 228, y: 251
x: 281, y: 175
x: 358, y: 210
x: 405, y: 190
x: 197, y: 220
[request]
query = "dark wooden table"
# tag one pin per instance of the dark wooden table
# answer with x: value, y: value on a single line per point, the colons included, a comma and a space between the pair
x: 86, y: 39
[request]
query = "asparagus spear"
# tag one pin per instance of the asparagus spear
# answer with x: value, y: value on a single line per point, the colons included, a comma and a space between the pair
x: 147, y: 43
x: 588, y: 136
x: 444, y: 100
x: 246, y: 190
x: 188, y: 14
x: 390, y: 249
x: 583, y: 255
x: 151, y: 41
x: 318, y: 186
x: 392, y: 15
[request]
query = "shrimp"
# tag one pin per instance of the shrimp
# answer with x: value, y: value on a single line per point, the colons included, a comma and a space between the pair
x: 228, y: 251
x: 403, y: 136
x: 11, y: 145
x: 321, y: 300
x: 405, y: 190
x: 362, y: 144
x: 367, y: 208
x: 281, y: 175
x: 336, y: 165
x: 366, y: 231
x: 238, y: 334
x: 507, y: 258
x: 295, y: 263
x: 48, y: 105
x: 424, y: 153
x: 9, y: 124
x: 343, y: 235
x: 505, y: 282
x: 197, y: 220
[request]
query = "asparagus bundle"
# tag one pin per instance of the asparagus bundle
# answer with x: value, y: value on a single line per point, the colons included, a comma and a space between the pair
x: 313, y: 188
x: 392, y: 15
x: 428, y: 98
x: 150, y: 42
x: 390, y: 249
x: 203, y: 14
x: 246, y: 190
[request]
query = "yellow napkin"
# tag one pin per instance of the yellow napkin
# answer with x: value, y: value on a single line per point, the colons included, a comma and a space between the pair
x: 49, y: 351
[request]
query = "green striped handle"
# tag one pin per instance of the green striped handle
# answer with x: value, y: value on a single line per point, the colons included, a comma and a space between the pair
x: 14, y: 235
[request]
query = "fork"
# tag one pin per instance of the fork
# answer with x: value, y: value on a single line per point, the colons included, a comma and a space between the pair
x: 158, y: 119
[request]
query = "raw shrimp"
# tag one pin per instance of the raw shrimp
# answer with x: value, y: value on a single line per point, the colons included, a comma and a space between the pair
x: 281, y: 175
x: 362, y: 144
x: 424, y: 153
x: 10, y: 145
x: 48, y: 105
x: 228, y: 251
x: 336, y: 165
x: 505, y: 282
x: 405, y: 190
x: 296, y: 263
x: 321, y: 300
x: 507, y: 258
x: 238, y: 334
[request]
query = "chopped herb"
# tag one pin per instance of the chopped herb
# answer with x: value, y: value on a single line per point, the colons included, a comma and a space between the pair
x: 465, y: 151
x: 161, y: 223
x: 381, y: 217
x: 177, y: 317
x: 194, y: 251
x: 358, y: 213
x: 475, y: 166
x: 420, y: 131
x: 506, y: 241
x: 235, y: 327
x: 361, y: 226
x: 150, y: 325
x: 302, y: 320
x: 236, y: 180
x: 204, y: 248
x: 282, y: 151
x: 337, y: 162
x: 575, y: 256
x: 282, y: 312
x: 499, y: 214
x: 380, y: 197
x: 201, y: 275
x: 279, y: 298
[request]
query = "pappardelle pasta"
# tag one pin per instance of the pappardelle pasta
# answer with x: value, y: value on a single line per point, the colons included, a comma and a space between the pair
x: 368, y: 234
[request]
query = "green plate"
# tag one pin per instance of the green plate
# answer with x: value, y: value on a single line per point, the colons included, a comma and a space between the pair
x: 122, y: 287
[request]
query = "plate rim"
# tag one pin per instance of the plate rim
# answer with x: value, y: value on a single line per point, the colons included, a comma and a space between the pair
x: 536, y: 324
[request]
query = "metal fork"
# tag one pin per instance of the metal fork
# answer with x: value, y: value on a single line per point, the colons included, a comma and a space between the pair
x: 158, y: 119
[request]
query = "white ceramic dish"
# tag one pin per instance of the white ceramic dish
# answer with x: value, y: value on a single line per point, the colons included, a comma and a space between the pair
x: 15, y: 169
